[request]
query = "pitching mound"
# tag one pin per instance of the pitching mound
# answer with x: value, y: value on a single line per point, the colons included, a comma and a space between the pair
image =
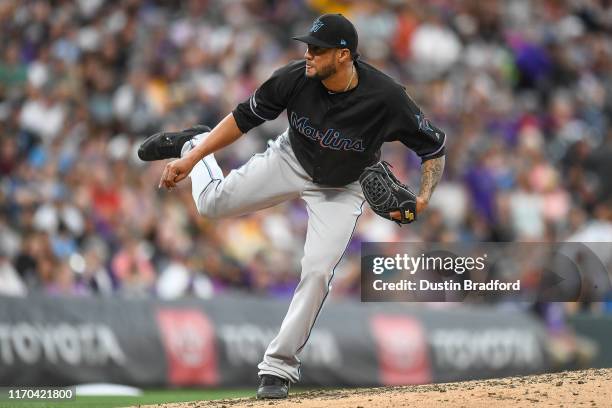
x: 588, y: 388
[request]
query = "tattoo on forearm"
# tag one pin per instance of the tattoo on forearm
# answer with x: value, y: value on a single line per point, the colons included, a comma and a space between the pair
x: 431, y: 173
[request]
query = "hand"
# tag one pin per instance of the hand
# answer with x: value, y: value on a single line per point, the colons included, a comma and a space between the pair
x: 174, y: 172
x: 421, y: 205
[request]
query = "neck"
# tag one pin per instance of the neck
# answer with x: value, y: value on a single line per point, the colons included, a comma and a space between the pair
x: 343, y: 80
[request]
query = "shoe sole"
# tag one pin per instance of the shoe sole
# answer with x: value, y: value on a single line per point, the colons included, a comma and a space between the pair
x: 271, y: 394
x: 143, y: 151
x: 147, y: 152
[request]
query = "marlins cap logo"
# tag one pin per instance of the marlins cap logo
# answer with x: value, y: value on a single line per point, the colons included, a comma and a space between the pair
x: 316, y: 26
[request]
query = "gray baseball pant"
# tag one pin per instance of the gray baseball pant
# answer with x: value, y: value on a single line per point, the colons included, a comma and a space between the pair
x: 265, y: 180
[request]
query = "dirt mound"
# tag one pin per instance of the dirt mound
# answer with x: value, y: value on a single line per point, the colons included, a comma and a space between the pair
x: 587, y: 388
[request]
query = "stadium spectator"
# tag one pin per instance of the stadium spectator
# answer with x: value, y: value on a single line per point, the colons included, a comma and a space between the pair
x: 523, y: 88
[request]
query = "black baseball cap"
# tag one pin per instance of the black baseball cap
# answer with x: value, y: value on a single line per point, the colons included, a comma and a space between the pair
x: 332, y: 31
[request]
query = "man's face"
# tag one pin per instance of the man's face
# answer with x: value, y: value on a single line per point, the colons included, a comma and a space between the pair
x: 320, y: 62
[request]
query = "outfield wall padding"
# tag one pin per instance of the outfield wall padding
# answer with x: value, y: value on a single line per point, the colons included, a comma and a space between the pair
x: 219, y: 342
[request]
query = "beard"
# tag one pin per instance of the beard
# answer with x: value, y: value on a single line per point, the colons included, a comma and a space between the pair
x: 325, y: 72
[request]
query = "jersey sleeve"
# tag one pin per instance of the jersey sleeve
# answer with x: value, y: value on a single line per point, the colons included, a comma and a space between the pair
x: 407, y: 123
x: 269, y: 100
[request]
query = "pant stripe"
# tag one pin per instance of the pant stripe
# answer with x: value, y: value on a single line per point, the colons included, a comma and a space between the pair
x: 210, y: 174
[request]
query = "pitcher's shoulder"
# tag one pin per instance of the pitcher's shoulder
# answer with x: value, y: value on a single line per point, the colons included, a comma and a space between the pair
x: 380, y: 83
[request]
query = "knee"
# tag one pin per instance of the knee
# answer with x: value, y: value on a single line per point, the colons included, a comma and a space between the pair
x: 207, y: 212
x: 206, y: 207
x: 317, y: 271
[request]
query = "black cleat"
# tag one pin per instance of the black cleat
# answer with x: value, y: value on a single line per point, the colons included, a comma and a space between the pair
x: 272, y: 387
x: 166, y: 145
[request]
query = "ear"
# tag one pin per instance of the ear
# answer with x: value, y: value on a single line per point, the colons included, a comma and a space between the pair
x: 344, y: 55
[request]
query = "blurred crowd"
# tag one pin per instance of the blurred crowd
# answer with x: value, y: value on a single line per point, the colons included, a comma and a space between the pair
x: 522, y: 88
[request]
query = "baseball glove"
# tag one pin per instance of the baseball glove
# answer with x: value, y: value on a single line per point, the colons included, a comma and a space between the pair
x: 385, y: 194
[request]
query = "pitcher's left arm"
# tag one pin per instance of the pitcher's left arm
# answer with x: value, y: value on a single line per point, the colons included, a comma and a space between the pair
x: 431, y: 173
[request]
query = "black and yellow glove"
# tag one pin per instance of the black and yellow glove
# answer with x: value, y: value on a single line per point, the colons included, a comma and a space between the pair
x: 385, y: 194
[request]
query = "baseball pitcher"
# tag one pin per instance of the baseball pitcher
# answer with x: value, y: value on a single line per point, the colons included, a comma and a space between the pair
x: 340, y: 110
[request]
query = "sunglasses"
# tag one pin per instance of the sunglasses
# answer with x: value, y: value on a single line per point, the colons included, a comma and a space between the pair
x: 316, y: 50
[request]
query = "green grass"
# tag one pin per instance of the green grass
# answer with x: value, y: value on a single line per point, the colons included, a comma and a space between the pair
x: 149, y: 397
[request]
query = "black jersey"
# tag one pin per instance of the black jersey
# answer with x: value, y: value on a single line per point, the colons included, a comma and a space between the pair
x: 336, y: 135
